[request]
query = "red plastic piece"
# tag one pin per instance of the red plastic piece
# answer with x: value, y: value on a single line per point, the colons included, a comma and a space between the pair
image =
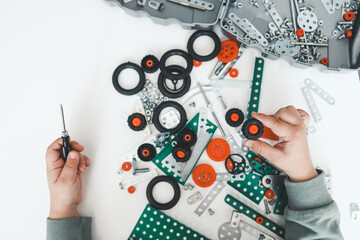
x: 300, y: 32
x: 348, y: 33
x: 218, y: 150
x: 196, y: 63
x: 131, y: 189
x: 259, y: 220
x: 349, y: 16
x: 270, y: 194
x: 126, y: 166
x: 228, y: 52
x: 204, y: 175
x: 233, y: 72
x: 324, y: 61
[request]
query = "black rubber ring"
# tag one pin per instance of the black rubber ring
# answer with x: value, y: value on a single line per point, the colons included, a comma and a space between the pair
x: 150, y: 196
x: 156, y: 116
x: 119, y: 69
x: 213, y: 54
x: 181, y: 53
x: 162, y: 84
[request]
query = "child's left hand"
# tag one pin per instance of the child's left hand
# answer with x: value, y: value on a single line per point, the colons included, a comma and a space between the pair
x: 64, y: 179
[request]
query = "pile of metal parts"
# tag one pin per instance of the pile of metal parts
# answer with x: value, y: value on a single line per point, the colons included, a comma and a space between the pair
x: 180, y: 143
x: 307, y: 32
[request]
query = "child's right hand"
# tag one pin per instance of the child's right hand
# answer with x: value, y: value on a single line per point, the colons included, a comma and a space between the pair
x: 292, y: 155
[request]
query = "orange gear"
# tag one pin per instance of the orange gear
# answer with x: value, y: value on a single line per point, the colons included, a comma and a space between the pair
x: 233, y: 72
x: 131, y: 189
x: 270, y: 194
x: 136, y: 122
x: 349, y: 16
x: 218, y: 150
x: 228, y: 52
x: 324, y: 61
x: 300, y: 32
x: 259, y: 220
x: 204, y: 175
x: 196, y: 63
x: 126, y: 166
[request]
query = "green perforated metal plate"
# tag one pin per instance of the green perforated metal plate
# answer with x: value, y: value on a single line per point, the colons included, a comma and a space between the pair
x: 169, y: 166
x: 154, y: 224
x: 256, y: 87
x: 251, y: 213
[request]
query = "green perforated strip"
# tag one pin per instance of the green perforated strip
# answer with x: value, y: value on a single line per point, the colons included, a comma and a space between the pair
x: 167, y: 150
x: 251, y: 213
x: 256, y: 87
x: 154, y: 224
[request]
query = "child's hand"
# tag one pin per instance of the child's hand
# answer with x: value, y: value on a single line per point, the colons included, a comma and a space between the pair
x: 292, y: 155
x: 64, y: 179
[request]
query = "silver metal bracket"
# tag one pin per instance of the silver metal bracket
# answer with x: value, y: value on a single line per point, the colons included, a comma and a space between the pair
x: 162, y: 139
x: 277, y: 19
x: 194, y: 198
x: 138, y: 179
x: 209, y: 198
x: 230, y: 177
x: 355, y: 212
x: 197, y: 4
x: 319, y: 91
x: 254, y: 231
x: 311, y: 103
x: 140, y: 109
x: 231, y: 83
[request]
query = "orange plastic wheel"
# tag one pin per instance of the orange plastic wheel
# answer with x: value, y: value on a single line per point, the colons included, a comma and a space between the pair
x: 270, y: 194
x: 180, y: 154
x: 259, y: 220
x: 131, y: 189
x: 196, y: 63
x: 233, y: 72
x: 228, y: 52
x: 349, y: 16
x: 149, y: 63
x: 234, y: 117
x: 145, y: 152
x: 324, y: 61
x: 300, y: 32
x: 204, y: 175
x: 218, y: 150
x: 136, y: 122
x: 126, y: 166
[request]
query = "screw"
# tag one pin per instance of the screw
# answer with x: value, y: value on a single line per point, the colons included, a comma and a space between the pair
x: 271, y: 202
x: 267, y: 209
x: 261, y: 237
x: 141, y: 170
x: 192, y: 104
x: 211, y: 212
x: 222, y: 102
x: 317, y: 56
x: 341, y: 36
x: 188, y: 186
x: 314, y: 51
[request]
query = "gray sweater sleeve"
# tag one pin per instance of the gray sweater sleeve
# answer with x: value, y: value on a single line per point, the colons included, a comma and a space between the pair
x: 69, y: 229
x: 311, y: 213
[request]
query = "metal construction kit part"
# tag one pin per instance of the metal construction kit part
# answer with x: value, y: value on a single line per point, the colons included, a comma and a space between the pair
x: 319, y: 91
x: 140, y: 170
x: 138, y: 179
x: 221, y: 100
x: 133, y: 153
x: 230, y: 177
x: 140, y: 109
x: 231, y: 83
x: 211, y: 212
x: 188, y: 186
x: 221, y: 69
x: 209, y: 198
x: 254, y: 231
x: 162, y: 139
x: 156, y: 5
x: 198, y: 4
x: 267, y: 209
x: 209, y: 106
x: 192, y: 104
x: 310, y: 130
x: 228, y: 232
x: 311, y: 103
x: 355, y: 212
x: 165, y: 227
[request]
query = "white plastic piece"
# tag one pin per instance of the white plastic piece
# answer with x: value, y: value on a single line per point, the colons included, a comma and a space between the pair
x: 311, y: 103
x: 230, y: 177
x: 194, y: 198
x: 254, y: 231
x: 328, y: 6
x: 140, y: 109
x: 277, y: 19
x: 231, y: 83
x: 138, y: 179
x: 170, y: 119
x: 249, y: 29
x: 319, y: 91
x: 209, y: 198
x: 355, y: 212
x: 132, y: 154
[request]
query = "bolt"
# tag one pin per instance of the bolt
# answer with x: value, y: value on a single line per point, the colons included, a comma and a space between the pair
x: 141, y: 170
x: 222, y: 102
x: 267, y: 209
x: 341, y: 36
x: 314, y: 51
x: 211, y: 212
x: 192, y: 104
x: 262, y: 237
x: 271, y: 202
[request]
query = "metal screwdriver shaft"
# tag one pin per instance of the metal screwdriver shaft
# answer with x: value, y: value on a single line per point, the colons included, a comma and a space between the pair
x: 209, y: 106
x: 65, y: 136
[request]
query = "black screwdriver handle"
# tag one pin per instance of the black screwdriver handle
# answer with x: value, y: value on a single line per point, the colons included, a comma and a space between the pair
x: 66, y: 147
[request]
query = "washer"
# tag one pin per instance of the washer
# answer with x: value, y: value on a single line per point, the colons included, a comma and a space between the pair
x: 156, y: 204
x: 162, y: 106
x: 178, y: 52
x: 308, y: 21
x: 196, y: 35
x: 119, y: 69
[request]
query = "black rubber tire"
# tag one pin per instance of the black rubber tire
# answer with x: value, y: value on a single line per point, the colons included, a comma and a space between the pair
x: 178, y: 52
x: 213, y: 54
x: 231, y: 122
x: 182, y: 139
x: 247, y: 124
x: 156, y: 204
x: 166, y: 104
x: 185, y: 149
x: 172, y: 94
x: 150, y: 148
x: 142, y: 118
x: 150, y: 69
x: 115, y: 79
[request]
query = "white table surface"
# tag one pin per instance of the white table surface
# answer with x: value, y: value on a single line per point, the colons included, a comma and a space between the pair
x: 55, y: 52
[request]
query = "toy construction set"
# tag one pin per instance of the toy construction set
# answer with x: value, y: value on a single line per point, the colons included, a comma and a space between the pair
x: 306, y: 32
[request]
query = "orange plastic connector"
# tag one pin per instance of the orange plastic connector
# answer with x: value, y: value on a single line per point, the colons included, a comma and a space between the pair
x: 270, y: 194
x: 233, y: 72
x: 253, y: 129
x: 126, y: 166
x: 204, y: 175
x: 349, y: 16
x: 196, y: 63
x: 234, y: 117
x: 136, y: 122
x: 228, y: 52
x: 131, y: 189
x: 149, y: 63
x: 300, y: 32
x: 259, y: 220
x: 145, y: 152
x: 218, y: 150
x: 268, y: 134
x: 348, y: 33
x: 180, y: 154
x: 324, y: 61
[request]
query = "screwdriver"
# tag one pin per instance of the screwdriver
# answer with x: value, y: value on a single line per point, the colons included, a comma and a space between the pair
x: 65, y: 136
